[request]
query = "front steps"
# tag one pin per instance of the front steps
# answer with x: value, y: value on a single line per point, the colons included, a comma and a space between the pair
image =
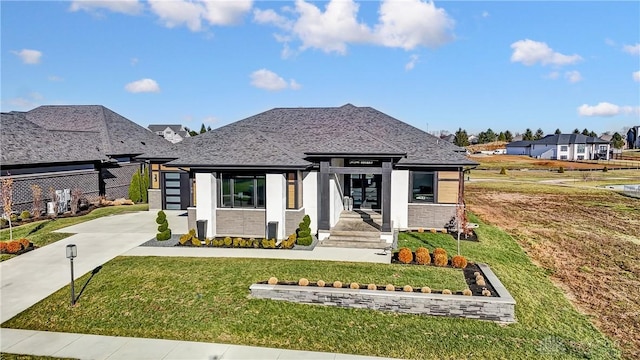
x: 356, y: 229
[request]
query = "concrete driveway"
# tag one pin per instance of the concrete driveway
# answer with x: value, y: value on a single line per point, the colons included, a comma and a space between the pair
x: 31, y: 277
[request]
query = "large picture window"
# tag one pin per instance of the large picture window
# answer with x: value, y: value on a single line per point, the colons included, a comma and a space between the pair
x: 422, y: 184
x: 580, y: 149
x: 243, y: 191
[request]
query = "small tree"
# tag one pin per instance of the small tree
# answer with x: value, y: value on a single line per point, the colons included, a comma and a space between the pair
x: 461, y: 138
x: 528, y: 135
x: 585, y: 132
x: 203, y: 129
x: 36, y: 191
x: 538, y: 135
x: 508, y: 136
x: 558, y: 132
x: 76, y: 195
x: 7, y: 201
x: 134, y: 187
x: 164, y: 233
x: 617, y: 141
x: 304, y: 232
x: 54, y: 199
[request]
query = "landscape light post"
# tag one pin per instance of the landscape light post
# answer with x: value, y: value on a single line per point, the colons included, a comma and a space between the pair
x: 72, y: 252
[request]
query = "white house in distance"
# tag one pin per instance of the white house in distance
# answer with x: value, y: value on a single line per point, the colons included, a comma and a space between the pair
x: 173, y: 133
x: 571, y: 147
x: 282, y: 164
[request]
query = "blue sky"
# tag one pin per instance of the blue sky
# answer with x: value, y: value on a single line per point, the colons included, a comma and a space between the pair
x: 436, y: 65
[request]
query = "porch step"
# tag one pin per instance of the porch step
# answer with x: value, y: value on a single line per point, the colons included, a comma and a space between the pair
x: 356, y: 234
x: 353, y: 243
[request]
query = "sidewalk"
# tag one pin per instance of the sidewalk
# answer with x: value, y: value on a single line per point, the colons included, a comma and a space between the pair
x: 80, y: 346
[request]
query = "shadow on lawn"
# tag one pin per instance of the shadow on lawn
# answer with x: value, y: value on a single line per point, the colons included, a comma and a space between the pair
x: 93, y: 273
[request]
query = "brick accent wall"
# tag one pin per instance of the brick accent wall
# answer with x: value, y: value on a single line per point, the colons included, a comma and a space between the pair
x: 240, y: 222
x: 500, y: 309
x: 85, y: 180
x: 430, y: 215
x: 292, y: 220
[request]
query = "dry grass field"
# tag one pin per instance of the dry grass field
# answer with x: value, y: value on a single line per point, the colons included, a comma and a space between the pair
x: 587, y: 239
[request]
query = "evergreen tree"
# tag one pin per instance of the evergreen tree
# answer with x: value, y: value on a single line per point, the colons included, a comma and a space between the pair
x: 134, y: 187
x: 538, y: 135
x: 576, y: 131
x: 617, y: 141
x: 203, y: 129
x: 593, y: 134
x: 508, y: 136
x: 528, y: 135
x: 558, y: 132
x: 461, y: 138
x: 208, y: 128
x: 585, y: 132
x: 502, y: 137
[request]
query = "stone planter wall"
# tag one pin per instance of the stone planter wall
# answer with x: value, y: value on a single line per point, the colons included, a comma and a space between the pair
x: 500, y: 309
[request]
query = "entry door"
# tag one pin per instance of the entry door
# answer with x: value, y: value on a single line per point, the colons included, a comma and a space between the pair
x: 176, y: 190
x: 365, y: 190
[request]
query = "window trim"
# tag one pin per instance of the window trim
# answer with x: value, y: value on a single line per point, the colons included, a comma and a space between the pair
x: 232, y: 177
x: 435, y: 187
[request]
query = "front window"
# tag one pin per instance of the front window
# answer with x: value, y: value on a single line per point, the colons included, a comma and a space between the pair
x: 603, y: 148
x: 422, y: 187
x: 243, y: 191
x: 564, y: 148
x: 580, y: 148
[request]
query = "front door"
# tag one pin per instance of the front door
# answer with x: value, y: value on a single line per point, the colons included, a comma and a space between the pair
x: 364, y: 189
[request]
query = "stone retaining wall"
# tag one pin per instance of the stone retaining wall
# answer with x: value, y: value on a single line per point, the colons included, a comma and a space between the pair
x: 500, y: 309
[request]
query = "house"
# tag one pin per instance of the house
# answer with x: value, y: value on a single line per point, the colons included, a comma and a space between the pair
x: 633, y: 138
x: 173, y: 133
x: 279, y: 165
x: 572, y: 147
x: 85, y: 147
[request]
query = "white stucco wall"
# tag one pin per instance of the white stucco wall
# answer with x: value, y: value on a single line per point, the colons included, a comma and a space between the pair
x: 310, y: 198
x: 400, y: 198
x: 336, y: 196
x: 206, y: 201
x: 276, y: 201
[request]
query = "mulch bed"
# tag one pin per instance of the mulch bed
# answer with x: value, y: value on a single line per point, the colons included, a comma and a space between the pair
x: 49, y: 217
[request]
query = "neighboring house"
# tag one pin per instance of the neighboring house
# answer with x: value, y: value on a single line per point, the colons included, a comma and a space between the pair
x: 572, y: 147
x: 517, y: 138
x: 473, y: 139
x: 173, y: 133
x: 282, y: 164
x: 450, y: 138
x: 633, y: 138
x: 89, y: 148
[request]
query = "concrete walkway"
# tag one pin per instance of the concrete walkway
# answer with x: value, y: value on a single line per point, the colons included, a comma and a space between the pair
x: 31, y: 277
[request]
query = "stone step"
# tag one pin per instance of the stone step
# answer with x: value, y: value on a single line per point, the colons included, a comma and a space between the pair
x: 354, y: 238
x: 354, y: 244
x: 356, y: 233
x: 353, y: 215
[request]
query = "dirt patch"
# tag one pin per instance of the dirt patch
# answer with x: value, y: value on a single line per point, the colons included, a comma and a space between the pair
x: 587, y: 241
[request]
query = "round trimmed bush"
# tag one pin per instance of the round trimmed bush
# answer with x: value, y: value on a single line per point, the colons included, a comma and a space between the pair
x: 425, y: 290
x: 439, y: 251
x: 24, y: 242
x: 303, y: 282
x: 337, y: 284
x: 481, y: 282
x: 459, y: 261
x: 25, y: 215
x: 354, y: 286
x: 405, y: 255
x: 390, y: 287
x: 13, y: 247
x: 320, y: 283
x: 372, y: 287
x: 446, y: 292
x: 273, y: 280
x: 423, y: 257
x: 486, y: 292
x: 467, y: 292
x: 440, y: 260
x: 407, y: 288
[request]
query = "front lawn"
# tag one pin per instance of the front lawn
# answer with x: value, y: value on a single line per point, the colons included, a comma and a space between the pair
x: 41, y: 233
x: 206, y: 299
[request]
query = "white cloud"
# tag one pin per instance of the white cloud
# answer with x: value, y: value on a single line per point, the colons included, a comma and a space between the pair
x: 636, y: 76
x: 192, y: 13
x: 413, y: 59
x: 407, y: 24
x: 573, y: 76
x: 55, y: 78
x: 552, y: 75
x: 412, y: 23
x: 268, y: 80
x: 632, y: 49
x: 606, y: 109
x: 143, y: 86
x: 129, y: 7
x: 27, y: 102
x: 530, y: 52
x: 28, y: 56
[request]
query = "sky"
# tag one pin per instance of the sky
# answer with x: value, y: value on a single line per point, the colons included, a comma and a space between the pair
x: 504, y: 65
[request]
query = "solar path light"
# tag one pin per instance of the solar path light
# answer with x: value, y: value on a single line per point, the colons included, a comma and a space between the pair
x: 72, y: 252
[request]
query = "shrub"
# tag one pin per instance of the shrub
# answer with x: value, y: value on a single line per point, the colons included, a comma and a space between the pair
x: 440, y: 260
x: 423, y: 257
x: 372, y: 287
x: 303, y: 282
x: 440, y: 251
x: 13, y: 217
x: 405, y: 255
x: 390, y: 287
x: 190, y: 238
x: 337, y: 284
x: 227, y: 241
x: 25, y: 215
x: 459, y: 261
x: 164, y: 233
x: 236, y: 242
x: 320, y: 283
x: 24, y: 242
x: 433, y: 230
x: 481, y: 282
x: 354, y: 286
x: 503, y: 171
x: 272, y: 280
x: 134, y: 187
x: 425, y: 290
x: 13, y: 247
x: 605, y: 169
x: 256, y: 243
x: 476, y: 274
x: 446, y: 292
x: 467, y: 292
x: 303, y: 234
x: 422, y: 249
x: 561, y: 169
x: 407, y: 288
x: 3, y: 246
x: 486, y: 292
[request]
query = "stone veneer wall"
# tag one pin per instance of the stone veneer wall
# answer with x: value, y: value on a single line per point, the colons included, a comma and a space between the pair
x: 241, y: 222
x: 429, y: 216
x: 292, y: 219
x: 500, y: 309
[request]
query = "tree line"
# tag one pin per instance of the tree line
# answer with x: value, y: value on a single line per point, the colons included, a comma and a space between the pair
x: 462, y: 138
x: 203, y: 130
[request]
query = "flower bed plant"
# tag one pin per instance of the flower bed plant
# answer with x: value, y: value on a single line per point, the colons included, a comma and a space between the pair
x: 16, y: 247
x: 190, y: 239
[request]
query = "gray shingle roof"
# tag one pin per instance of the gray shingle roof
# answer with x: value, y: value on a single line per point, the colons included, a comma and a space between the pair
x: 55, y: 134
x: 565, y: 139
x: 285, y: 137
x: 156, y: 127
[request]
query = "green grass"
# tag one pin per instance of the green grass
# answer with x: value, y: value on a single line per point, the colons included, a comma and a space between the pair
x: 41, y: 233
x: 7, y: 356
x: 205, y: 299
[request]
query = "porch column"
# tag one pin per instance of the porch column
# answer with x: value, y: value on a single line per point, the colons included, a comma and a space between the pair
x: 386, y: 196
x: 324, y: 201
x: 206, y: 200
